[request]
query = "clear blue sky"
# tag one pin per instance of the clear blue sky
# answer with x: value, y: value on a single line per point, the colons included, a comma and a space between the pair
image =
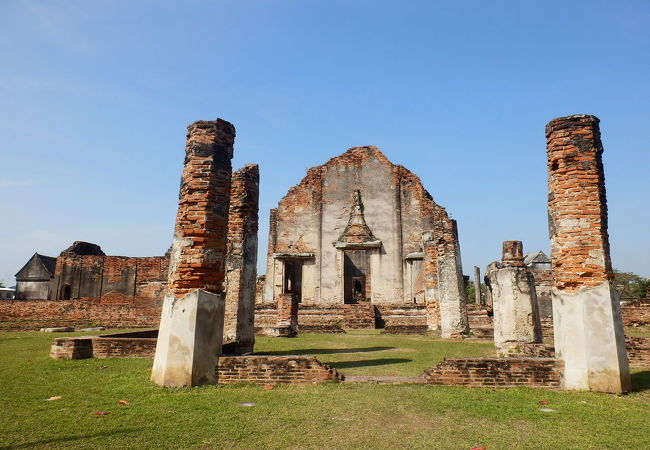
x: 95, y: 97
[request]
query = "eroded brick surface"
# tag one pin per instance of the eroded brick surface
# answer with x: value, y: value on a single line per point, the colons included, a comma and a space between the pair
x: 199, y: 249
x: 496, y: 372
x: 241, y: 260
x: 577, y: 205
x: 274, y: 370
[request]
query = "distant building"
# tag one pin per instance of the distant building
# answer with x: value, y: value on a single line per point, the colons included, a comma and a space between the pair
x: 33, y: 280
x: 7, y: 293
x: 540, y: 265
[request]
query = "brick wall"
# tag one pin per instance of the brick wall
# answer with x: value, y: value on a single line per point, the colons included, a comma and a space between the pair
x: 35, y: 314
x: 636, y: 315
x: 638, y: 351
x: 110, y: 279
x: 496, y: 372
x: 404, y: 319
x: 274, y: 370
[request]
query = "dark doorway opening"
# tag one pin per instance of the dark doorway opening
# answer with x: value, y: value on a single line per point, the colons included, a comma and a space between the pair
x: 66, y: 292
x: 356, y: 276
x: 293, y: 278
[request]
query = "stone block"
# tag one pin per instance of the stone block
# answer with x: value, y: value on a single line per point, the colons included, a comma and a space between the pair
x: 189, y: 340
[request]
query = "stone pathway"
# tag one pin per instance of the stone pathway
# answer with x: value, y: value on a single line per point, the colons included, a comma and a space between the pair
x: 383, y: 379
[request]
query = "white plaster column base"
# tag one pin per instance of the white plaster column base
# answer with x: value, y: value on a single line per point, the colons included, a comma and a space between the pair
x: 451, y: 292
x: 589, y: 338
x: 516, y: 318
x: 189, y: 339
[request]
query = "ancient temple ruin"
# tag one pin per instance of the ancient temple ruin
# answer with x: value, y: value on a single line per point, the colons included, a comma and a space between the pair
x: 360, y: 241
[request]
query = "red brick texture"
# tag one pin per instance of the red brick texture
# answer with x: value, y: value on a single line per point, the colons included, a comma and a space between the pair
x: 513, y: 253
x: 199, y: 249
x: 638, y: 315
x: 103, y: 347
x: 110, y: 279
x: 577, y: 204
x: 496, y: 372
x: 274, y: 370
x: 35, y: 314
x: 638, y: 351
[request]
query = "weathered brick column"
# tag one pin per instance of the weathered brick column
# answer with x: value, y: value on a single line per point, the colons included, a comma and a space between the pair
x: 191, y: 325
x: 514, y: 301
x: 586, y: 310
x: 241, y: 261
x: 452, y: 297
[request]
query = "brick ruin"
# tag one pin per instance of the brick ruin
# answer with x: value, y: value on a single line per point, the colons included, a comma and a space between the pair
x: 359, y: 240
x: 191, y: 329
x: 588, y: 328
x: 359, y: 243
x: 241, y: 260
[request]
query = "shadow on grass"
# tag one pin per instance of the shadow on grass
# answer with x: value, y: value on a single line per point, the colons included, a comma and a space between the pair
x: 71, y: 438
x: 367, y: 362
x: 324, y: 351
x: 641, y: 381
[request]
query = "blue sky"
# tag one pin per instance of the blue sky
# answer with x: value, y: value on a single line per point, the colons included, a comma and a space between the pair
x: 95, y: 98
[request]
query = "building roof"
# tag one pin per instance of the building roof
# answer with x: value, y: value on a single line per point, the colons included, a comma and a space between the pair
x: 539, y: 257
x: 43, y: 264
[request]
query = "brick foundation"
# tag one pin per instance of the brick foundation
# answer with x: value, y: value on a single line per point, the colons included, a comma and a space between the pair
x: 260, y: 369
x: 638, y: 351
x: 496, y: 372
x: 636, y: 315
x: 404, y: 319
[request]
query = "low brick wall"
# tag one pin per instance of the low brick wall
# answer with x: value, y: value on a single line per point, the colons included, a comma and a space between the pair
x: 321, y: 319
x: 111, y: 347
x: 262, y: 369
x: 36, y: 314
x: 360, y: 316
x: 638, y: 351
x: 496, y: 372
x: 636, y: 315
x: 404, y: 319
x: 72, y: 348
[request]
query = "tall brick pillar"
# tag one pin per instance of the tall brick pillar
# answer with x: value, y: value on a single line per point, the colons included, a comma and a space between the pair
x: 586, y: 310
x: 452, y: 297
x: 191, y: 324
x: 241, y: 262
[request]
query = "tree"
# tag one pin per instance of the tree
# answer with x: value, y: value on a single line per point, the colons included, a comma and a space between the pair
x: 631, y: 285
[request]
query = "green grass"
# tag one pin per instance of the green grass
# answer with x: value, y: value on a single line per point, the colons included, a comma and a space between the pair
x: 369, y: 352
x: 317, y: 416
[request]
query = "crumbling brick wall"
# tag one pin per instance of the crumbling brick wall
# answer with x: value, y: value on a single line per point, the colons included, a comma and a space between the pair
x: 274, y: 370
x: 110, y: 279
x: 35, y: 314
x: 496, y: 372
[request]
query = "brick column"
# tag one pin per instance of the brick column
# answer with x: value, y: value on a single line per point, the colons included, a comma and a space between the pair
x: 452, y: 297
x: 241, y: 262
x: 199, y: 247
x: 191, y: 324
x: 586, y: 310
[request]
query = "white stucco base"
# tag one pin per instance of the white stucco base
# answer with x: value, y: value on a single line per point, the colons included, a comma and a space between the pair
x: 516, y: 318
x: 452, y: 298
x: 189, y: 339
x: 589, y: 338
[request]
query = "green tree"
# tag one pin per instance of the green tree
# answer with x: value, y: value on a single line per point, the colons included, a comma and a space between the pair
x: 470, y: 289
x: 631, y: 285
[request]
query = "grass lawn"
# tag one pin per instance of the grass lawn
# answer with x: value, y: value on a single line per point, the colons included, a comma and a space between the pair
x: 316, y: 416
